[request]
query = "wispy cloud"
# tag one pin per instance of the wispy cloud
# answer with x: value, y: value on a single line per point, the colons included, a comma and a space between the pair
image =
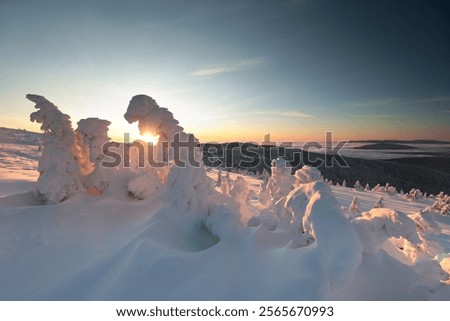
x: 434, y: 99
x: 397, y: 102
x: 375, y: 116
x: 375, y: 103
x: 225, y: 68
x: 293, y: 114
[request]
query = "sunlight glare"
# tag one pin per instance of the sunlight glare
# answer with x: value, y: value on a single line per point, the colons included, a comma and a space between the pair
x: 149, y: 138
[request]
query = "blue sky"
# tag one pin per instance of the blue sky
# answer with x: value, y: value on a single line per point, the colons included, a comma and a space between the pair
x: 235, y: 70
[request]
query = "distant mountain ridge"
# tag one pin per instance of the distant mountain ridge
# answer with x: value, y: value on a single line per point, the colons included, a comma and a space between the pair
x: 19, y: 136
x: 389, y: 141
x: 384, y: 146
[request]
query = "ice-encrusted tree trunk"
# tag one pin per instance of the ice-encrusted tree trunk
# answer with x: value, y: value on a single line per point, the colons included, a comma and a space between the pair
x: 187, y: 186
x: 58, y: 167
x: 92, y: 134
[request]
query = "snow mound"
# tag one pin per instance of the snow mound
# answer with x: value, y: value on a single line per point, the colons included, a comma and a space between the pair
x: 314, y: 205
x: 379, y: 224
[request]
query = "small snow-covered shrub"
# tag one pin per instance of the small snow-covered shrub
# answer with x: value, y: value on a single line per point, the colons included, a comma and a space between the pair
x: 379, y: 224
x: 143, y: 186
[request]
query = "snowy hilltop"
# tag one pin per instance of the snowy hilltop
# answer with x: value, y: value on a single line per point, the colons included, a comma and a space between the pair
x: 90, y: 219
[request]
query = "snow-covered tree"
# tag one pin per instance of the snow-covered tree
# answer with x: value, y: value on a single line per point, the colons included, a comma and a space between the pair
x: 58, y: 167
x: 358, y: 186
x: 228, y: 178
x: 265, y: 175
x: 391, y: 190
x: 377, y: 188
x: 379, y: 203
x: 281, y: 181
x: 367, y: 188
x: 416, y: 194
x: 306, y: 174
x: 187, y: 184
x: 152, y: 119
x: 225, y: 187
x: 219, y: 178
x: 239, y: 191
x: 263, y: 194
x: 92, y: 134
x: 354, y: 206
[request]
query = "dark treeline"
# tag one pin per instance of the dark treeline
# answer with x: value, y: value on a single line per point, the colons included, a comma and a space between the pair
x: 431, y: 175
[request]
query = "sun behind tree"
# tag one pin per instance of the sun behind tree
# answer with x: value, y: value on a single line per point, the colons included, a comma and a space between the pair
x: 149, y: 138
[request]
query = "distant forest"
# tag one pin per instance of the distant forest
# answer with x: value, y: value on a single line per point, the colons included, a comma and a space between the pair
x: 430, y: 174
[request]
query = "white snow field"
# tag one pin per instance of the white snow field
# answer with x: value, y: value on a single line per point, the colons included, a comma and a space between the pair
x: 197, y: 234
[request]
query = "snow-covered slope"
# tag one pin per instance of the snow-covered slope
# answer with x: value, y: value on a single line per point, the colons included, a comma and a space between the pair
x: 305, y: 246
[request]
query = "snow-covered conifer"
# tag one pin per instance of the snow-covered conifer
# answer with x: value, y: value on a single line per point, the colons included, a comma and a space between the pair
x: 92, y: 134
x: 379, y: 203
x: 228, y: 178
x: 306, y: 174
x: 358, y: 186
x: 354, y: 206
x: 281, y: 181
x: 58, y: 167
x: 187, y: 184
x: 219, y: 178
x: 225, y: 186
x: 239, y: 191
x: 377, y: 188
x: 263, y: 194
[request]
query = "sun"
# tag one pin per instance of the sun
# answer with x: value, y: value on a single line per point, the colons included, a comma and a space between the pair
x: 149, y: 138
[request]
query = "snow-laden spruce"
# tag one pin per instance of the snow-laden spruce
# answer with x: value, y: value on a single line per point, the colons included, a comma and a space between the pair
x: 281, y: 180
x: 59, y: 168
x: 92, y: 134
x: 187, y: 186
x: 306, y: 174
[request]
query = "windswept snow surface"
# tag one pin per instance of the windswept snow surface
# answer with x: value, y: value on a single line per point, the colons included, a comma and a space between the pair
x: 112, y: 247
